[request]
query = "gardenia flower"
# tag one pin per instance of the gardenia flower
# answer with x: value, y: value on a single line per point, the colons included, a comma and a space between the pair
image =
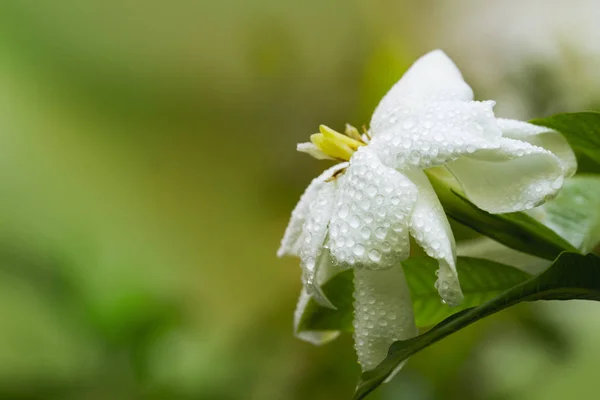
x: 361, y: 212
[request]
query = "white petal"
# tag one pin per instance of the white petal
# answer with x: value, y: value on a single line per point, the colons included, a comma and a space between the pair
x: 383, y: 313
x: 324, y: 271
x: 430, y: 228
x: 437, y: 133
x: 432, y: 78
x: 514, y: 129
x: 314, y: 232
x: 369, y: 227
x: 517, y: 176
x: 542, y: 137
x: 290, y: 244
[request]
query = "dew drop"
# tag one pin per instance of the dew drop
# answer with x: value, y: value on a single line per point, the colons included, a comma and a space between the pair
x: 371, y: 191
x: 365, y: 233
x: 359, y: 250
x: 410, y: 122
x: 343, y: 211
x: 375, y: 255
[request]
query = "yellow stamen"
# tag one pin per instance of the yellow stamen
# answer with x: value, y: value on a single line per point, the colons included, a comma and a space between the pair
x: 338, y: 137
x: 333, y: 148
x: 353, y: 133
x: 330, y: 144
x: 366, y: 132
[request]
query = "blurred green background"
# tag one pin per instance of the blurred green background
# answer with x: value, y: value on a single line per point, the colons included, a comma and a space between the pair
x: 148, y: 169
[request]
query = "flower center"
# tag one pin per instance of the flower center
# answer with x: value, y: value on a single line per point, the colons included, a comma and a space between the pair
x: 337, y: 145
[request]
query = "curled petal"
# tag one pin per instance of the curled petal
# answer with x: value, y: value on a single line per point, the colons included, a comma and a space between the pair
x: 290, y: 244
x: 517, y: 176
x: 432, y: 78
x: 369, y: 226
x: 314, y: 232
x: 542, y: 137
x: 383, y: 313
x: 315, y: 337
x: 437, y: 133
x: 431, y: 230
x: 324, y: 271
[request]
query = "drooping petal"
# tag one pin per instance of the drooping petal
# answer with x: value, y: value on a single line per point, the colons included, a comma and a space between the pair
x: 383, y: 313
x: 315, y: 337
x: 314, y: 232
x: 542, y: 137
x: 432, y: 78
x: 437, y: 133
x: 517, y: 176
x: 290, y: 244
x: 431, y: 230
x: 369, y: 226
x: 324, y: 271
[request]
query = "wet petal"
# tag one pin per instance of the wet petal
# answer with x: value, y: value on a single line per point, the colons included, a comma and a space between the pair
x: 517, y: 176
x: 290, y: 244
x: 369, y: 226
x: 542, y: 137
x: 324, y: 271
x: 432, y: 78
x: 383, y: 313
x: 431, y: 230
x: 314, y: 232
x: 437, y: 133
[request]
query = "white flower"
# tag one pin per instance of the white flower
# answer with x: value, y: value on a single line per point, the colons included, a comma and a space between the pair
x: 361, y: 212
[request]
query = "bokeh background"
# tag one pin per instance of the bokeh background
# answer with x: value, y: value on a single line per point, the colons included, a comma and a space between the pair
x: 148, y: 169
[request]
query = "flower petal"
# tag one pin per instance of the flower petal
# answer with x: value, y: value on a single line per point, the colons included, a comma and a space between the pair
x: 290, y: 244
x: 383, y: 313
x: 432, y: 78
x: 542, y: 137
x: 369, y: 227
x: 430, y: 228
x: 324, y: 271
x: 314, y: 232
x: 517, y: 176
x: 315, y: 337
x: 437, y: 133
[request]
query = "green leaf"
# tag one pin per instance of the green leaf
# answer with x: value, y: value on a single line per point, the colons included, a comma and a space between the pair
x: 575, y: 213
x: 515, y: 230
x: 571, y: 276
x: 582, y: 131
x: 480, y: 279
